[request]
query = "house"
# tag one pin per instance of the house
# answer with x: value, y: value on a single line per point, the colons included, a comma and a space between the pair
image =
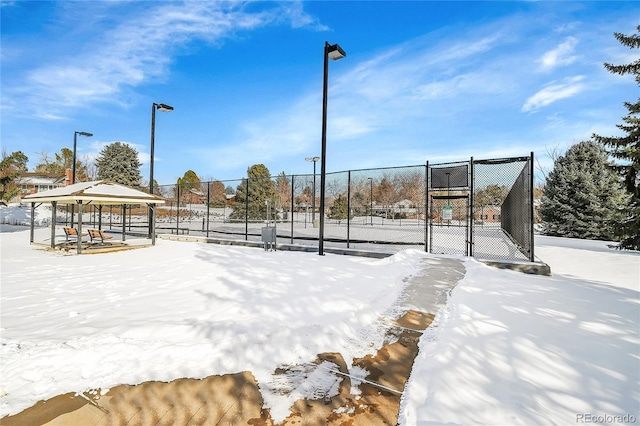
x: 405, y: 208
x: 486, y: 214
x: 194, y: 196
x: 32, y: 182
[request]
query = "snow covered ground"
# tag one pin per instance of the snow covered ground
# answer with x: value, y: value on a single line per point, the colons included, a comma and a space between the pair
x: 516, y: 349
x: 509, y: 348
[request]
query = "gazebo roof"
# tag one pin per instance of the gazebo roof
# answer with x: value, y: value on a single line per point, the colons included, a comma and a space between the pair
x: 95, y: 192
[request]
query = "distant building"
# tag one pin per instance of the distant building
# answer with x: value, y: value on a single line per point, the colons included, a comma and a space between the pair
x: 486, y: 214
x: 195, y: 196
x: 32, y: 182
x: 405, y: 208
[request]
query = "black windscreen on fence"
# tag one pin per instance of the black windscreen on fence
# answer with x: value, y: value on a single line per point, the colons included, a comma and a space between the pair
x: 517, y: 207
x: 450, y: 177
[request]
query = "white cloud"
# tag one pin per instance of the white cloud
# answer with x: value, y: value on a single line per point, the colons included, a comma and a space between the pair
x: 567, y: 27
x: 138, y: 50
x: 561, y: 55
x: 293, y: 12
x: 554, y: 92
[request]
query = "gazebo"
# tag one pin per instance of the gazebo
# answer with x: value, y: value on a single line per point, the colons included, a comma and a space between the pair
x: 98, y: 193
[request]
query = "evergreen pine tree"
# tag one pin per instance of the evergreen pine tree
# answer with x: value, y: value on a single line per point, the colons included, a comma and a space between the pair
x: 190, y: 180
x: 339, y: 209
x: 581, y: 195
x: 118, y: 162
x: 260, y: 189
x: 627, y: 149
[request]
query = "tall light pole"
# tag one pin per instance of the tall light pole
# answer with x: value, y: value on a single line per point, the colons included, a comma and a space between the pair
x: 75, y: 143
x: 334, y: 52
x: 73, y: 166
x: 313, y: 199
x: 163, y: 108
x: 371, y: 200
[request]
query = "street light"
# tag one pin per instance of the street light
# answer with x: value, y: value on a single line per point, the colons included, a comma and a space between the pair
x: 163, y: 108
x: 371, y: 200
x: 73, y: 166
x: 334, y: 52
x: 75, y: 142
x: 313, y: 200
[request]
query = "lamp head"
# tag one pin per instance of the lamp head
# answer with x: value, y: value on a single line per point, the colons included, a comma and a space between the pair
x: 164, y: 107
x: 335, y: 52
x: 314, y: 159
x: 87, y: 134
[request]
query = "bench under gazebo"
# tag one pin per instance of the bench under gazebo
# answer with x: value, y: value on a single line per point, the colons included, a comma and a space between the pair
x: 96, y: 193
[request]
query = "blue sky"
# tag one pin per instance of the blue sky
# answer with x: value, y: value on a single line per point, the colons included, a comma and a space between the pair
x: 422, y: 80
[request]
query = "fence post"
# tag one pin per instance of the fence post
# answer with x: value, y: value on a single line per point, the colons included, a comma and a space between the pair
x: 532, y: 217
x: 293, y: 177
x: 348, y: 205
x: 246, y: 211
x: 178, y: 209
x: 208, y: 206
x: 472, y: 208
x: 426, y: 207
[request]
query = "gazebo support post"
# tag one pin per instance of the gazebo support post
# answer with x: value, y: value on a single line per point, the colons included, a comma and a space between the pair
x: 100, y: 216
x: 152, y: 208
x: 79, y: 238
x: 33, y: 214
x: 124, y: 220
x: 53, y: 223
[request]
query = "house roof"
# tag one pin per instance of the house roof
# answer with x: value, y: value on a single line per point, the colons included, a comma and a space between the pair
x: 34, y: 178
x: 95, y: 192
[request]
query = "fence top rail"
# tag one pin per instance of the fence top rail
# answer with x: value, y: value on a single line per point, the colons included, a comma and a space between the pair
x: 502, y: 160
x: 373, y: 169
x: 444, y: 165
x: 382, y: 168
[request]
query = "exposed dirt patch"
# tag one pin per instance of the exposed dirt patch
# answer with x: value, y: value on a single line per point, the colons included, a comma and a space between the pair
x: 236, y: 399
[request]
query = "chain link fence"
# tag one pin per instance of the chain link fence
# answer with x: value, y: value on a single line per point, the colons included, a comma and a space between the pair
x: 480, y: 208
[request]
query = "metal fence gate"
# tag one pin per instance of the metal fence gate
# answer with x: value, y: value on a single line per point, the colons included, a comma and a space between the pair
x: 449, y: 213
x: 449, y: 225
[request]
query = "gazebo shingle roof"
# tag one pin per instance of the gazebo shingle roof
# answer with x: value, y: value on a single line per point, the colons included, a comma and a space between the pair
x: 95, y: 192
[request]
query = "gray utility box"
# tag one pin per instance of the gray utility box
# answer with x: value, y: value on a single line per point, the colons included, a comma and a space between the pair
x: 269, y: 237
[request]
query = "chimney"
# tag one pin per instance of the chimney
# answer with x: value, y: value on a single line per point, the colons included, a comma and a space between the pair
x: 68, y: 176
